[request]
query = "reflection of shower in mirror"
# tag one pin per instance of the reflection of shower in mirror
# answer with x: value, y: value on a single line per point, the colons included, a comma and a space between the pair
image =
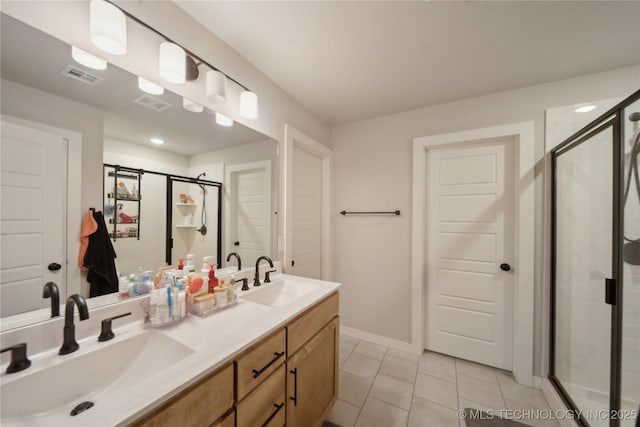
x: 203, y: 215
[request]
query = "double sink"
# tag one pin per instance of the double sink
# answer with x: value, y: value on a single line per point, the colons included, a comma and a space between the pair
x: 54, y: 385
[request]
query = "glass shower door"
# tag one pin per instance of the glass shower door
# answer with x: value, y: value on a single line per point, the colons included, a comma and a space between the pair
x: 582, y: 263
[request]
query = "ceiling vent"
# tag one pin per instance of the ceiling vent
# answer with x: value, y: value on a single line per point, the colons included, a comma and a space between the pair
x: 80, y: 75
x: 152, y: 103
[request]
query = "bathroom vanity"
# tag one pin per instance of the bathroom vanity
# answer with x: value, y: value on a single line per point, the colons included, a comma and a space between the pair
x: 289, y: 377
x: 270, y: 360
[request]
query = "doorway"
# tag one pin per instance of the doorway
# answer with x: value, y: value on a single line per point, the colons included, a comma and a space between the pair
x: 248, y: 211
x: 520, y: 136
x: 470, y: 236
x: 307, y: 214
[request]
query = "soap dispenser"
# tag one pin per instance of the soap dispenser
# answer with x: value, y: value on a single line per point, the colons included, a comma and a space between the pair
x: 213, y: 280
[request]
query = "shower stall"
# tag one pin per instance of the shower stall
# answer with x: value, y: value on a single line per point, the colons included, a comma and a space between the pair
x: 595, y: 275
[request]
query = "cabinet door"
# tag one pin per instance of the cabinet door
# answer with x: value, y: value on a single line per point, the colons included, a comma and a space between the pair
x: 312, y: 379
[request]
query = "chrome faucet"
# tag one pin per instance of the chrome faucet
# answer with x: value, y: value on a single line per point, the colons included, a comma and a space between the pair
x: 237, y: 257
x: 50, y: 290
x: 69, y: 344
x: 256, y: 278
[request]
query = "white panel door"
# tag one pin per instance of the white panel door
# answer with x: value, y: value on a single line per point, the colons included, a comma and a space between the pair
x: 469, y: 235
x: 33, y: 202
x: 250, y: 213
x: 307, y: 215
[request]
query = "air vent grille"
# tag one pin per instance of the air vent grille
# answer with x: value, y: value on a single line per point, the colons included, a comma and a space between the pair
x: 80, y: 75
x: 152, y: 103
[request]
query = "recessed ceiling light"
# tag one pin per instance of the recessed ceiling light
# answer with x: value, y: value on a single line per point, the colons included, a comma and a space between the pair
x: 585, y: 109
x: 87, y: 59
x: 149, y: 87
x: 223, y: 120
x: 157, y: 141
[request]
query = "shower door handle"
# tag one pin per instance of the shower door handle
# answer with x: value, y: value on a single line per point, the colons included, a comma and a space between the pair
x: 610, y: 293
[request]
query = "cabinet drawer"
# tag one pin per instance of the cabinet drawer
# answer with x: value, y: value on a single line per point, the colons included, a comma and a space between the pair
x: 264, y: 406
x: 300, y: 330
x: 200, y: 405
x: 258, y: 362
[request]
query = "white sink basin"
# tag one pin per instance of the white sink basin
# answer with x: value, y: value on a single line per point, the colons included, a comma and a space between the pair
x: 279, y: 292
x: 62, y: 382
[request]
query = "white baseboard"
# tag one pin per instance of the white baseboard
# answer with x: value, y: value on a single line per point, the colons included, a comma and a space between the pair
x: 538, y: 382
x: 379, y: 339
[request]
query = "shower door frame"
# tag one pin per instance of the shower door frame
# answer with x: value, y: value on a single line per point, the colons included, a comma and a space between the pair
x: 613, y: 118
x: 169, y: 225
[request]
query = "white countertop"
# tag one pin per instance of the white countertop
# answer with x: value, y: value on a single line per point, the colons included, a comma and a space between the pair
x: 214, y: 340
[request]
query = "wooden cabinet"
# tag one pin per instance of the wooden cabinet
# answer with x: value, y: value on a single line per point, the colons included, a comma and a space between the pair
x: 301, y: 329
x: 289, y: 377
x: 255, y: 365
x: 228, y: 421
x: 200, y: 405
x: 264, y: 406
x: 312, y: 378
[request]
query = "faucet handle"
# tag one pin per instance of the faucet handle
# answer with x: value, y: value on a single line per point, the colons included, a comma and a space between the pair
x: 245, y: 284
x: 267, y: 278
x: 106, y: 333
x: 19, y: 361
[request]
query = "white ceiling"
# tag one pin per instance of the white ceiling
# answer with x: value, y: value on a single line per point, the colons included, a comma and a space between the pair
x: 348, y: 61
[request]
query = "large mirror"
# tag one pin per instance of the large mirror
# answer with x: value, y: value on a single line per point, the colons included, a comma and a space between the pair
x: 62, y: 122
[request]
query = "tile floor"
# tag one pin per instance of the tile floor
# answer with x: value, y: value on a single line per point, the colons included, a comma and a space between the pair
x: 383, y: 387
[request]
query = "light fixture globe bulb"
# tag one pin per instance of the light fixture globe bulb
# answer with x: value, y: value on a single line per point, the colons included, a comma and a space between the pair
x: 108, y: 27
x: 216, y: 87
x: 173, y: 63
x: 248, y: 105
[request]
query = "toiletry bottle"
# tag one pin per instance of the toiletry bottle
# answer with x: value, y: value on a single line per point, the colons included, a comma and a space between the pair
x: 213, y: 280
x: 163, y: 307
x: 132, y: 282
x: 170, y: 302
x: 182, y: 301
x: 153, y: 307
x: 206, y: 262
x: 231, y: 292
x: 123, y: 286
x: 190, y: 265
x: 180, y: 264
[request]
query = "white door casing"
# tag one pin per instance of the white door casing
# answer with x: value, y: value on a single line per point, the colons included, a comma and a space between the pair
x: 523, y: 264
x: 295, y: 140
x: 33, y: 216
x: 248, y: 210
x: 469, y: 299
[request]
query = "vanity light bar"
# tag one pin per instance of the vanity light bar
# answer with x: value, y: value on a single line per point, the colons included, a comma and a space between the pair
x: 248, y: 99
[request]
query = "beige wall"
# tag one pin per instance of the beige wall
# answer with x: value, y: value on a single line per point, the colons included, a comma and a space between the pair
x: 373, y: 170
